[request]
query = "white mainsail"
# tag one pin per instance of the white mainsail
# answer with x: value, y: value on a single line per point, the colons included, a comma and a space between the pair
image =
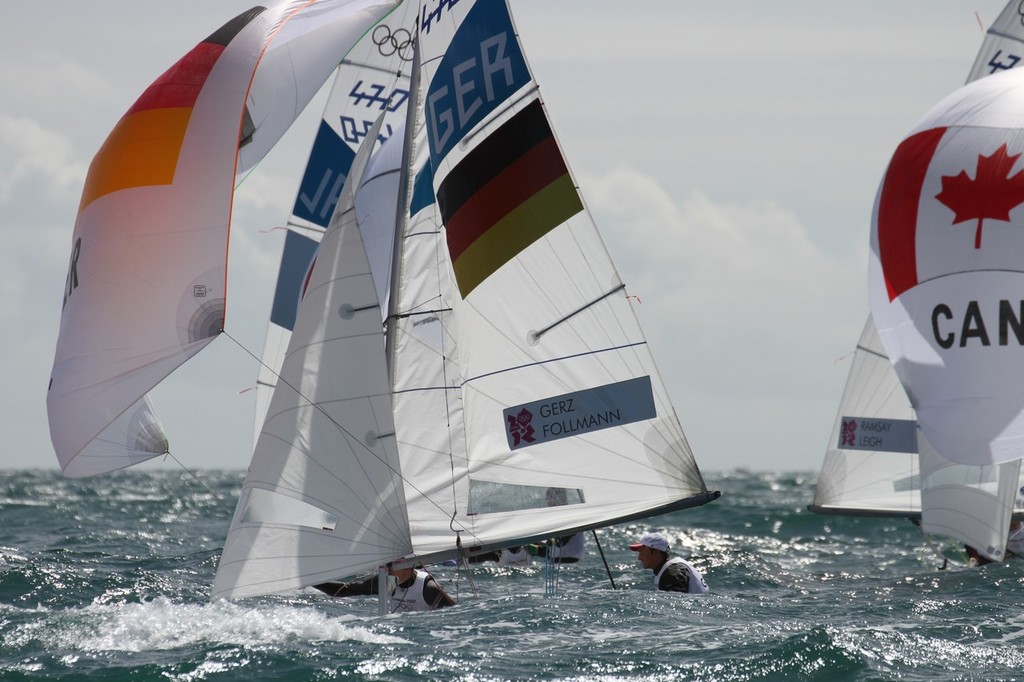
x: 516, y: 361
x: 1003, y: 45
x: 146, y: 286
x: 549, y: 348
x: 877, y: 461
x: 871, y: 465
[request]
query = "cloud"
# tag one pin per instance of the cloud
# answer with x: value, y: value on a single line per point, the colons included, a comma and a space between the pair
x: 39, y: 160
x: 737, y: 302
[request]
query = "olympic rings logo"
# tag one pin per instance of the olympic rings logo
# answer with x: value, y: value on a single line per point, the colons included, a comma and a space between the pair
x: 389, y: 42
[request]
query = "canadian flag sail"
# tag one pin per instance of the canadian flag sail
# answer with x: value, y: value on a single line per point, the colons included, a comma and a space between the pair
x: 947, y: 269
x: 878, y: 461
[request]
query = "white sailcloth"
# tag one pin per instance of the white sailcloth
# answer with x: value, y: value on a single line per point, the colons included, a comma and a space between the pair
x: 516, y: 371
x: 146, y: 280
x: 550, y: 352
x: 969, y: 503
x: 879, y: 464
x: 1003, y: 46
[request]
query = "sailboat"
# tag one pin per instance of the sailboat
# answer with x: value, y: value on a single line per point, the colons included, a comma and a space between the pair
x: 431, y: 394
x: 878, y: 462
x: 445, y: 407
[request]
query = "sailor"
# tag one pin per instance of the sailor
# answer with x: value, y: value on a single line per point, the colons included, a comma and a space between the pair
x: 514, y: 556
x: 567, y: 549
x: 1015, y: 540
x: 415, y: 590
x: 670, y: 574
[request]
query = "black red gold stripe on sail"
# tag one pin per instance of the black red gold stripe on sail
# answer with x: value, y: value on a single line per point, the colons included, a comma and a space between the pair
x: 143, y: 147
x: 510, y: 191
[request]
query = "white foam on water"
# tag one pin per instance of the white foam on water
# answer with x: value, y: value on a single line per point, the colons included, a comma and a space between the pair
x: 163, y: 624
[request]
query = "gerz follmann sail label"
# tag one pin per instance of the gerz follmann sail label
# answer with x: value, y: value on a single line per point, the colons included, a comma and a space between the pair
x: 579, y: 412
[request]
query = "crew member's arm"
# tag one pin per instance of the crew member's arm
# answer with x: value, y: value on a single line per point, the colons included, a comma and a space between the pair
x: 435, y: 596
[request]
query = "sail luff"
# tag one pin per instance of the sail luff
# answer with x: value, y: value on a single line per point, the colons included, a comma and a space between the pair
x: 402, y: 207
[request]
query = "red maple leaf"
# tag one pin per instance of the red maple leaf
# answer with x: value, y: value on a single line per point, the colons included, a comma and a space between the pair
x: 993, y: 194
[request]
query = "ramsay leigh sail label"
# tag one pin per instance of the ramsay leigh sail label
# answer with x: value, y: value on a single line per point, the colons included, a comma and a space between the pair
x: 889, y: 435
x: 574, y: 414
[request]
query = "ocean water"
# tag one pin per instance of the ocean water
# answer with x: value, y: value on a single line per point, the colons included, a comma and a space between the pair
x: 108, y: 579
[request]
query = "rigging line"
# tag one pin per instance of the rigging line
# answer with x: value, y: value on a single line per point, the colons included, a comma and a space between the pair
x: 870, y: 351
x: 341, y: 428
x: 545, y: 330
x: 448, y: 421
x: 558, y: 359
x: 593, y: 531
x: 193, y: 475
x: 551, y: 565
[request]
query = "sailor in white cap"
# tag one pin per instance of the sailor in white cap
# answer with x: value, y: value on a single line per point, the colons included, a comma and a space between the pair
x: 670, y: 574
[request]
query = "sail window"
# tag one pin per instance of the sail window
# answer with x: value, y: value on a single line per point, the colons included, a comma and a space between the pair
x: 981, y: 477
x: 489, y: 497
x: 266, y: 507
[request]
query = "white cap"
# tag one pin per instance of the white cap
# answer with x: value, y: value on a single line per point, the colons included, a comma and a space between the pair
x: 653, y: 540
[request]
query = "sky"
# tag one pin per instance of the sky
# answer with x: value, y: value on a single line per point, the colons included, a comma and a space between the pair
x: 729, y: 153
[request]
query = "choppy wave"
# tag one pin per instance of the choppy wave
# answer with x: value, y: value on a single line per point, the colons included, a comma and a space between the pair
x: 108, y: 579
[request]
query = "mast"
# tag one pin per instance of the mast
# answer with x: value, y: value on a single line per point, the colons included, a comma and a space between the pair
x: 401, y: 213
x: 401, y: 210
